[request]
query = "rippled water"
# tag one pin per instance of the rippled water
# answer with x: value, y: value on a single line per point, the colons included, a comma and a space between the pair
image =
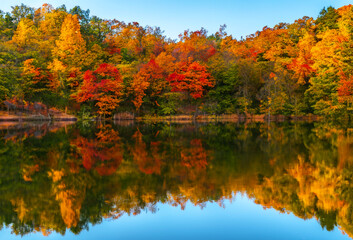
x: 176, y: 181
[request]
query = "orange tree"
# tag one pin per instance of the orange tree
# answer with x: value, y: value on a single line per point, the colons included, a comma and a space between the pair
x: 103, y: 87
x: 149, y: 81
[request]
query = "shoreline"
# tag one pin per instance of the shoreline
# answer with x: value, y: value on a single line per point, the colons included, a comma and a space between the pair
x: 229, y: 118
x: 37, y: 118
x: 175, y: 118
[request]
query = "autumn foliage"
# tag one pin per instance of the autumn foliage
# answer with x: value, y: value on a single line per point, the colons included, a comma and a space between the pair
x: 190, y: 77
x: 103, y: 86
x: 71, y: 60
x: 150, y: 78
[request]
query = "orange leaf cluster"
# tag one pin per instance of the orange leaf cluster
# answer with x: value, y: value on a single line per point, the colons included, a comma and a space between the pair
x: 151, y: 78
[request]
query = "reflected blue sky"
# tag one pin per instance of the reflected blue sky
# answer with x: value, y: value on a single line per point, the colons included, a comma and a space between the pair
x: 242, y: 219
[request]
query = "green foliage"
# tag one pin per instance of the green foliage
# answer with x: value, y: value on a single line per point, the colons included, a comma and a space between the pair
x: 323, y: 96
x: 169, y: 103
x: 227, y: 88
x: 85, y: 113
x: 327, y: 19
x: 22, y: 11
x: 127, y: 57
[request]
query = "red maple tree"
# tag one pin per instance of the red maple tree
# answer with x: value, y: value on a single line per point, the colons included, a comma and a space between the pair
x: 191, y: 77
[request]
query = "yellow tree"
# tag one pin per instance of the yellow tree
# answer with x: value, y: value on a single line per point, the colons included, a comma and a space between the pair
x: 49, y: 23
x: 25, y: 36
x: 69, y: 55
x: 327, y: 56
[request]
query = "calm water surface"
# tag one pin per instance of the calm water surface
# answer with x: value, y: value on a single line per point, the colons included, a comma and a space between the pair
x: 176, y: 181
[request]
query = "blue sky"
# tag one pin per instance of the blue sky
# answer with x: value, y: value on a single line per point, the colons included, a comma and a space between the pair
x: 243, y: 17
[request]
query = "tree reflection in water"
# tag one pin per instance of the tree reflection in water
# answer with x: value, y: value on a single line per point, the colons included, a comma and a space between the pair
x: 67, y: 177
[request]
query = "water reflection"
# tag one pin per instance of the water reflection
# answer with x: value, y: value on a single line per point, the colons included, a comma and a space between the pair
x: 54, y: 178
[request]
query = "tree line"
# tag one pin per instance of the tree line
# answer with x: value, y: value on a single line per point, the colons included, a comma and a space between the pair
x: 68, y: 59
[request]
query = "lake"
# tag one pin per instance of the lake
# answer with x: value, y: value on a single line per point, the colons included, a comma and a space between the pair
x: 130, y: 180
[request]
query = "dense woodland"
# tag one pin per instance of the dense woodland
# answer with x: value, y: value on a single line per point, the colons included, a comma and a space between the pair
x: 90, y: 66
x: 74, y: 177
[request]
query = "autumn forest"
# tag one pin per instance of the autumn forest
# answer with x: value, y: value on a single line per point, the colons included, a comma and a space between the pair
x: 88, y: 66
